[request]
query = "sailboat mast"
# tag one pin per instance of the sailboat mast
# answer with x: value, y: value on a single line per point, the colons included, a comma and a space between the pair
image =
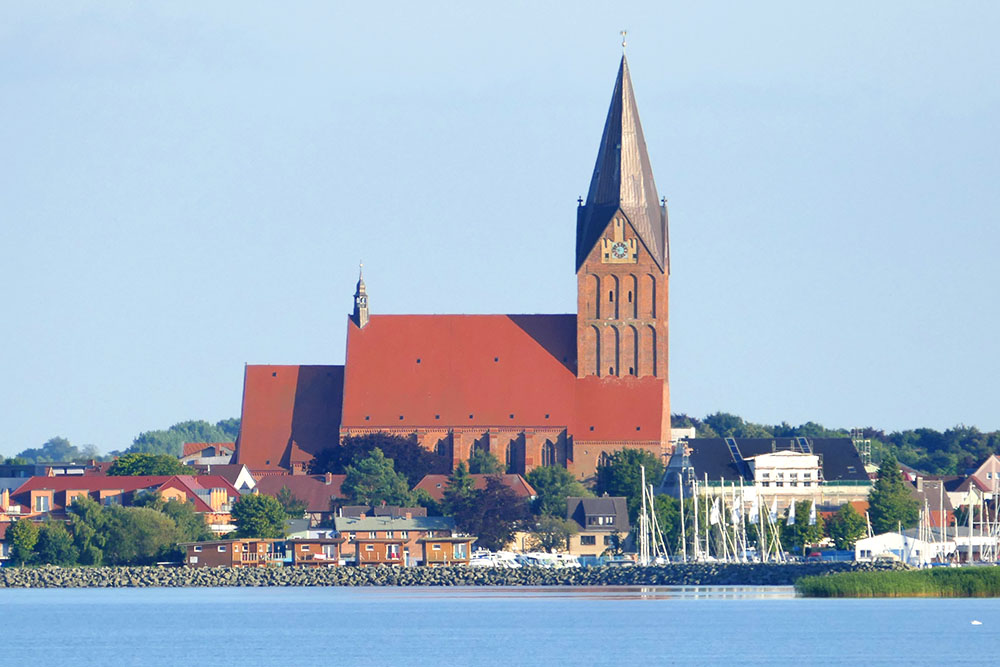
x: 684, y: 547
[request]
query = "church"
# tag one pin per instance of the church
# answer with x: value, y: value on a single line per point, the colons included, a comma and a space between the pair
x: 563, y: 389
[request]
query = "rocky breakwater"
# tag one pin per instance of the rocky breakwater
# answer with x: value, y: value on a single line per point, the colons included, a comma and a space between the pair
x: 667, y: 575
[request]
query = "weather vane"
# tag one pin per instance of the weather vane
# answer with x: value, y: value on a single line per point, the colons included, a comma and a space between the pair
x: 624, y: 43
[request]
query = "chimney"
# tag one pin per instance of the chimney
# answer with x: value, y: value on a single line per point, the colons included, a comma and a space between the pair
x: 328, y: 479
x: 920, y: 484
x: 409, y: 515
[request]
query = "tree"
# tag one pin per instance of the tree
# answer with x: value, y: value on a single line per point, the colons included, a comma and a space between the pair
x: 846, y: 527
x: 484, y: 463
x: 138, y: 536
x: 410, y: 459
x: 552, y: 533
x: 800, y: 533
x: 620, y: 476
x: 493, y: 514
x: 257, y: 515
x: 191, y: 526
x: 54, y: 449
x: 23, y: 536
x: 890, y: 502
x: 87, y: 522
x: 423, y: 498
x: 147, y: 464
x: 668, y: 516
x: 171, y: 441
x: 55, y: 545
x: 294, y: 508
x: 554, y: 484
x: 373, y: 480
x: 459, y: 489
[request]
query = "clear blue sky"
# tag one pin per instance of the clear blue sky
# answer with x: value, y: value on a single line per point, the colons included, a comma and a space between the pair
x: 188, y: 186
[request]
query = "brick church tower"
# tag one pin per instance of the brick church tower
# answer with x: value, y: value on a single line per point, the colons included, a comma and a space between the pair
x: 622, y: 255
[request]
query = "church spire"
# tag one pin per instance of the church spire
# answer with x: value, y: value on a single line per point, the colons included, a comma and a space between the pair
x: 623, y: 180
x: 360, y: 315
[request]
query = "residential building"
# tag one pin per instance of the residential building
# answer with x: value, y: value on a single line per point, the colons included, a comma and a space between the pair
x: 440, y: 551
x: 405, y: 531
x: 909, y: 546
x: 554, y: 389
x: 240, y: 552
x: 211, y: 495
x: 827, y: 471
x: 314, y: 551
x: 206, y: 453
x: 602, y: 524
x: 318, y: 492
x: 436, y: 484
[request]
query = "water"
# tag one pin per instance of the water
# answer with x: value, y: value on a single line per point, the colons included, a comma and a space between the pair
x: 488, y: 626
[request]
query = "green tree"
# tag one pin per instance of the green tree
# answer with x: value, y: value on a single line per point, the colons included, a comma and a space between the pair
x: 493, y: 514
x: 846, y: 527
x: 191, y: 526
x: 484, y: 463
x: 620, y: 476
x: 55, y: 545
x: 551, y: 533
x: 171, y: 441
x: 800, y: 534
x: 54, y: 449
x: 138, y: 536
x: 668, y: 516
x: 554, y: 484
x: 423, y: 498
x: 23, y: 536
x: 257, y: 515
x: 294, y: 508
x: 148, y: 464
x: 410, y: 459
x: 890, y: 502
x: 87, y: 522
x: 459, y: 489
x: 373, y: 480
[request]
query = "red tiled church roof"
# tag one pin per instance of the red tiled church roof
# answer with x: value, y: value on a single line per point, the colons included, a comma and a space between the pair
x: 489, y: 370
x: 288, y: 410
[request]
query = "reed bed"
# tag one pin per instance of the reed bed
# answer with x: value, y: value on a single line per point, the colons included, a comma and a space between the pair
x: 961, y: 582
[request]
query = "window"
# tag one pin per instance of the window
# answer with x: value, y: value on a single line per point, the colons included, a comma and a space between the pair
x: 459, y: 551
x: 369, y: 547
x: 222, y: 548
x: 765, y: 475
x: 236, y: 548
x: 372, y: 535
x: 587, y: 540
x: 41, y: 503
x: 352, y: 536
x: 197, y: 550
x: 404, y: 534
x: 608, y: 540
x: 388, y: 534
x: 193, y: 559
x: 611, y: 296
x: 436, y: 547
x: 303, y: 547
x: 765, y: 484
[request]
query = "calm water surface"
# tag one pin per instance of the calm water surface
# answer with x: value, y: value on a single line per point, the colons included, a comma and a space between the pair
x: 488, y: 626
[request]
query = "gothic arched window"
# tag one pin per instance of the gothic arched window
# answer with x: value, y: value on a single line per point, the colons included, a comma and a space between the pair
x: 548, y: 454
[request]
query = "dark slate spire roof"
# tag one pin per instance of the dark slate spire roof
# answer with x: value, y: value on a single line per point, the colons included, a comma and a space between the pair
x: 623, y: 180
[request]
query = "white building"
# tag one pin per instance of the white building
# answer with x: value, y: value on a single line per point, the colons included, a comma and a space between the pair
x: 906, y: 547
x: 785, y: 470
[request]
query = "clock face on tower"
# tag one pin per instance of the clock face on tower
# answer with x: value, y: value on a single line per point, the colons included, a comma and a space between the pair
x: 619, y: 250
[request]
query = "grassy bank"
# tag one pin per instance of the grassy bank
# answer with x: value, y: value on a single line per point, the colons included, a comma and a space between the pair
x: 964, y: 582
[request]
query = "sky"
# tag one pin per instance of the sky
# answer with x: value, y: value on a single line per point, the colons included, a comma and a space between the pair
x: 189, y: 187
